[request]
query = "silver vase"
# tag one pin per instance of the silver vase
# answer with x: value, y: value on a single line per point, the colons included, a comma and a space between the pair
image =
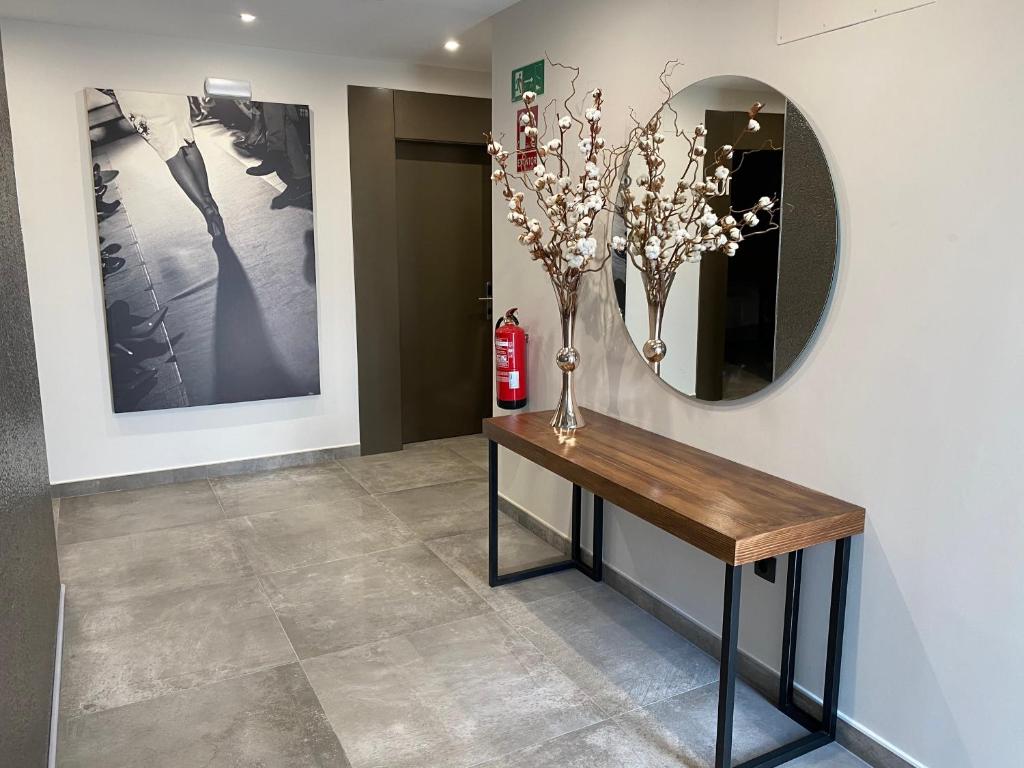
x: 654, y: 348
x: 567, y: 414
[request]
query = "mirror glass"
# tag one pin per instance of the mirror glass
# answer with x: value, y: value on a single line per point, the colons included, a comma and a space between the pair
x: 732, y: 185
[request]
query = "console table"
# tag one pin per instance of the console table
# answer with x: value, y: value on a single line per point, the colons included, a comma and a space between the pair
x: 737, y: 514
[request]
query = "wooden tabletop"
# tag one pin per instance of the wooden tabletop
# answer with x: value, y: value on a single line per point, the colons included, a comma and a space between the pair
x: 731, y: 511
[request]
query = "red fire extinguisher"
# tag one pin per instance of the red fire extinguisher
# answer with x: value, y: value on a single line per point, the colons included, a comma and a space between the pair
x: 510, y: 361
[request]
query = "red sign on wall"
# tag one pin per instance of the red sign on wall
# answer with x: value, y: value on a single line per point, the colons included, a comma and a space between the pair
x: 526, y: 146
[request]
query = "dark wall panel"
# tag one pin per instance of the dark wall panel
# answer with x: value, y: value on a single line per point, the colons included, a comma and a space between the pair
x: 807, y: 247
x: 29, y: 582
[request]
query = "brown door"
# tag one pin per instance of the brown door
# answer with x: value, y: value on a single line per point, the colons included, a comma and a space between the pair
x: 444, y: 268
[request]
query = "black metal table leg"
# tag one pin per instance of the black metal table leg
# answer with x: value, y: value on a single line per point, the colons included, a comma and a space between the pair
x: 575, y: 551
x: 787, y: 668
x: 836, y: 627
x: 576, y: 558
x: 598, y: 566
x: 492, y: 513
x: 727, y: 675
x: 824, y: 731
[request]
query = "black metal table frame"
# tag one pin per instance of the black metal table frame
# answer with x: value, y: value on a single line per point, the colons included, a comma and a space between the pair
x: 822, y: 731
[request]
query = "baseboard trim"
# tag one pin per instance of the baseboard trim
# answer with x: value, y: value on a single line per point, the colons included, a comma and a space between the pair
x: 865, y: 745
x: 202, y: 471
x: 58, y: 661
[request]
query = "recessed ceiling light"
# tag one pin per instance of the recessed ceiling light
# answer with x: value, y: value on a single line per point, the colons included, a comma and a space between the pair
x: 452, y: 45
x: 248, y: 18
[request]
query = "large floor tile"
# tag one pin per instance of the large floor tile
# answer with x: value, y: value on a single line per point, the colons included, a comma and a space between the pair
x: 121, y: 652
x: 434, y: 511
x: 684, y: 728
x: 270, y: 719
x: 446, y: 697
x: 414, y: 467
x: 359, y: 600
x: 105, y: 515
x: 467, y: 555
x: 605, y: 745
x: 470, y: 447
x: 832, y: 756
x: 158, y: 561
x: 285, y: 489
x: 318, y: 533
x: 620, y: 655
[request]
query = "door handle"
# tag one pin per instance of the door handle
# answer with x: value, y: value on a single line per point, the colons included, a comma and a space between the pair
x: 485, y: 298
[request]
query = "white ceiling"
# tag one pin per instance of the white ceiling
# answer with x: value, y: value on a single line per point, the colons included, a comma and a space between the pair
x: 402, y: 30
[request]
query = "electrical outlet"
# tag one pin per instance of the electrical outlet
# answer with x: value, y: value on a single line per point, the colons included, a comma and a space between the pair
x: 765, y: 569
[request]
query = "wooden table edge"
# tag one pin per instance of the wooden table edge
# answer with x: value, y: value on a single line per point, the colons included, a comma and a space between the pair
x: 730, y: 550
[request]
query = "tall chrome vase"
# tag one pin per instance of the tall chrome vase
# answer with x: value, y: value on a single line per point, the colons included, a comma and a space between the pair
x: 568, y: 416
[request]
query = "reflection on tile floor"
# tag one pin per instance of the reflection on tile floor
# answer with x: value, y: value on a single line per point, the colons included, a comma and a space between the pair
x: 339, y: 615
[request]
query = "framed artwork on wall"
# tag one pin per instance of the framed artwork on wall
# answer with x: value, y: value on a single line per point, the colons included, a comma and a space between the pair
x: 204, y: 213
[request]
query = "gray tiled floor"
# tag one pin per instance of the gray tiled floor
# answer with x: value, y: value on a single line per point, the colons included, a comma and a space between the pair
x: 338, y: 615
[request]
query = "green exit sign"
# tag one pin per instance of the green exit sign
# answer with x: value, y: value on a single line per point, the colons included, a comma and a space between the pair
x: 528, y: 78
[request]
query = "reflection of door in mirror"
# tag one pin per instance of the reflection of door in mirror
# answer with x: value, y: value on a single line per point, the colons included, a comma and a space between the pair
x: 736, y: 311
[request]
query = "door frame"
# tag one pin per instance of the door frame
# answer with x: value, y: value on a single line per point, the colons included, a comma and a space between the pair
x: 377, y: 119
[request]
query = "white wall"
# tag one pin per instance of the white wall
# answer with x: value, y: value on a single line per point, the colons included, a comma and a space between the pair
x: 47, y: 67
x: 909, y: 402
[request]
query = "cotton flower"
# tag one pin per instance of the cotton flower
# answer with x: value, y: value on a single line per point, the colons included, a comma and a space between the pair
x: 494, y: 148
x: 530, y: 131
x: 753, y: 126
x: 565, y: 123
x: 727, y: 151
x: 599, y: 142
x: 618, y: 243
x: 596, y: 94
x: 529, y: 96
x: 750, y: 219
x: 554, y: 145
x: 721, y: 173
x: 539, y: 170
x: 728, y: 221
x: 735, y: 234
x: 699, y: 151
x: 565, y: 182
x: 586, y: 147
x: 729, y: 249
x: 526, y: 118
x: 574, y: 260
x: 593, y: 115
x: 653, y: 249
x: 709, y: 219
x: 700, y: 130
x: 765, y: 203
x: 592, y: 170
x: 586, y: 247
x: 498, y: 175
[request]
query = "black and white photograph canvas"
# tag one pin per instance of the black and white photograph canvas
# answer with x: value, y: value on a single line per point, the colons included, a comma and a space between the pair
x: 206, y: 247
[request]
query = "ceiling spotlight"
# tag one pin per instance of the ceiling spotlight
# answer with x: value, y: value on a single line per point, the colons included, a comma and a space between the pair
x: 247, y: 18
x: 452, y: 45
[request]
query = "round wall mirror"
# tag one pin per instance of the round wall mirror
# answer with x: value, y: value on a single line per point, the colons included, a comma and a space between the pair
x: 725, y: 238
